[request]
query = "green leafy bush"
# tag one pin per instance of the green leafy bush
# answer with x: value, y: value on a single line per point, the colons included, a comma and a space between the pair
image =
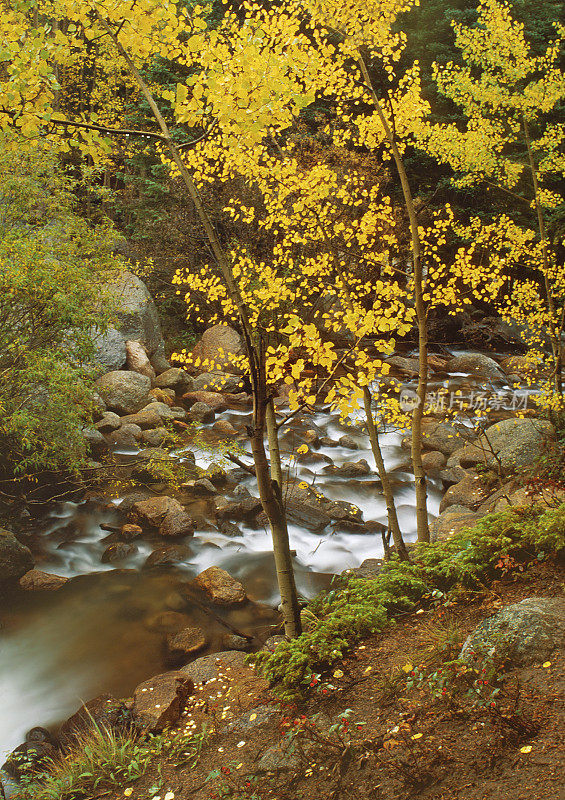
x: 357, y: 608
x: 52, y: 264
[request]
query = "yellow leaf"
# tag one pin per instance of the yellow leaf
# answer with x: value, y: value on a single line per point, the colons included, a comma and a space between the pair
x: 417, y: 735
x: 302, y: 449
x: 546, y: 664
x: 407, y: 668
x: 338, y: 673
x: 526, y: 749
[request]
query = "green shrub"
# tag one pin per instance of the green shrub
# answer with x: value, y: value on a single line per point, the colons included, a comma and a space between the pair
x: 356, y: 608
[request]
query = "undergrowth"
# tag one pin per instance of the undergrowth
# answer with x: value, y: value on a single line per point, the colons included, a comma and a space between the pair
x: 356, y: 608
x: 101, y: 757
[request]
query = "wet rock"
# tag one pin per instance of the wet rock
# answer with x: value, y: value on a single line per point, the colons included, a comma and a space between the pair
x: 224, y: 428
x: 476, y: 364
x: 451, y: 522
x: 406, y: 366
x: 514, y: 444
x: 137, y: 359
x: 239, y: 399
x: 350, y: 469
x: 126, y: 436
x: 307, y: 515
x: 208, y: 667
x: 202, y: 413
x: 174, y: 378
x: 521, y: 366
x: 177, y: 523
x: 137, y: 320
x: 166, y: 396
x: 130, y: 531
x: 220, y: 587
x: 168, y: 556
x: 453, y: 474
x: 131, y: 498
x: 205, y: 487
x: 154, y: 437
x: 31, y: 756
x: 159, y: 702
x: 228, y: 528
x: 369, y: 569
x: 326, y: 441
x: 118, y: 552
x: 151, y: 416
x: 183, y: 644
x: 15, y: 558
x: 94, y: 439
x: 217, y: 382
x: 167, y: 622
x: 216, y: 346
x: 246, y: 509
x: 124, y: 392
x: 108, y: 422
x: 523, y: 633
x: 153, y: 510
x: 433, y: 461
x: 213, y: 400
x: 233, y: 642
x: 348, y: 441
x: 469, y: 492
x: 37, y: 581
x: 103, y: 712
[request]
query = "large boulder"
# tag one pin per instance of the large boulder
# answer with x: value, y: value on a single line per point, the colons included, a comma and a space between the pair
x: 220, y: 587
x: 175, y: 378
x: 159, y: 702
x: 476, y: 364
x: 215, y: 347
x: 137, y: 319
x: 124, y: 392
x: 469, y: 492
x: 151, y: 416
x: 451, y: 521
x: 15, y: 558
x: 37, y: 581
x: 513, y: 443
x: 523, y: 633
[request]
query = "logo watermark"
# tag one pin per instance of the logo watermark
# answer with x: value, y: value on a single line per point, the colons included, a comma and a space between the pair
x: 445, y: 400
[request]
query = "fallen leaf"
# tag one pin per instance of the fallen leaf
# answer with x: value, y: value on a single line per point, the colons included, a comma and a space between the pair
x: 526, y: 749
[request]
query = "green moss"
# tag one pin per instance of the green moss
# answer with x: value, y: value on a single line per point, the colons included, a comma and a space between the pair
x: 356, y: 608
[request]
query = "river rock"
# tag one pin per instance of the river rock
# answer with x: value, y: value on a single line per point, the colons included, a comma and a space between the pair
x: 224, y: 428
x: 154, y: 437
x: 37, y: 581
x: 175, y: 378
x: 200, y: 412
x: 523, y: 633
x: 103, y: 712
x: 118, y: 552
x: 452, y: 521
x: 168, y: 556
x: 350, y: 469
x: 183, y: 644
x: 520, y: 365
x: 433, y: 461
x: 130, y: 531
x: 217, y: 382
x: 137, y: 359
x: 124, y: 392
x: 213, y: 400
x: 109, y: 422
x: 407, y: 366
x: 441, y: 437
x: 514, y: 443
x: 206, y: 668
x: 348, y: 441
x: 154, y: 510
x: 469, y: 492
x: 215, y: 347
x: 137, y: 320
x: 167, y: 622
x: 94, y: 439
x: 151, y: 416
x: 166, y: 396
x: 177, y: 523
x: 220, y: 587
x: 476, y: 364
x: 159, y: 702
x: 368, y: 570
x: 31, y: 756
x: 126, y: 436
x: 15, y: 558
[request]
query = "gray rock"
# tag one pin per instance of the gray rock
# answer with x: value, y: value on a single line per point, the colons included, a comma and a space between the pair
x: 350, y: 469
x: 109, y: 422
x: 469, y: 492
x: 200, y: 412
x: 175, y: 378
x: 215, y: 346
x: 168, y: 556
x: 94, y: 439
x: 278, y: 759
x: 348, y: 441
x: 451, y: 521
x: 207, y: 667
x: 118, y: 552
x: 523, y: 633
x: 433, y: 461
x: 217, y: 382
x: 515, y: 443
x: 476, y: 364
x: 155, y: 437
x: 136, y: 319
x: 368, y: 570
x: 126, y: 436
x: 252, y: 720
x: 151, y: 416
x: 124, y: 392
x: 15, y: 558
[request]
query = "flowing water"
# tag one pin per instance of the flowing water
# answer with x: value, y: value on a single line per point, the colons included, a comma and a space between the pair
x: 58, y: 649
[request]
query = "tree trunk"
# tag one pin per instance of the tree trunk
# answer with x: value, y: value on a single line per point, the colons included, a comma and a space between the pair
x: 421, y: 316
x: 393, y: 523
